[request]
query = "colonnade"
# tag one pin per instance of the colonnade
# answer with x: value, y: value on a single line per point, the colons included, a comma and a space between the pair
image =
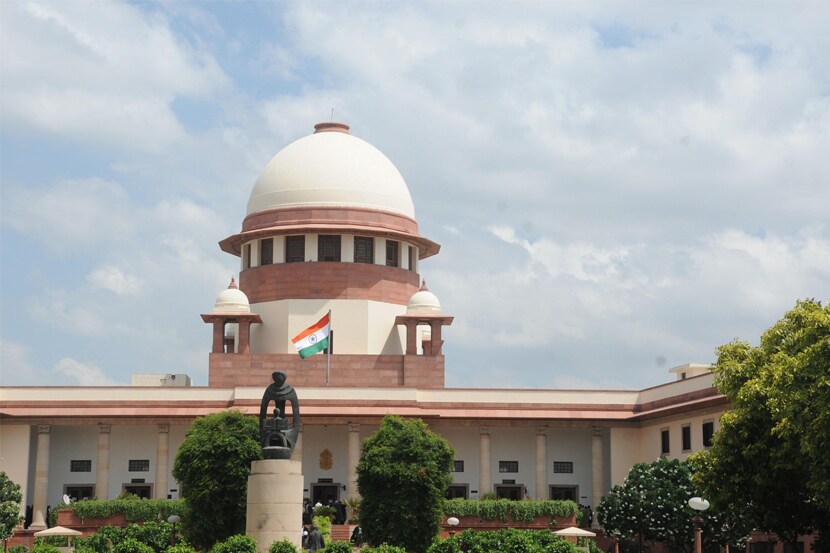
x: 162, y: 466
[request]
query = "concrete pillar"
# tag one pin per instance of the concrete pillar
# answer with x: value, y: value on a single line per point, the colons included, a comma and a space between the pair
x: 275, y: 502
x: 597, y: 470
x: 411, y: 338
x: 41, y: 478
x: 541, y: 463
x: 436, y: 342
x: 102, y: 463
x: 162, y: 461
x: 485, y: 484
x: 354, y: 459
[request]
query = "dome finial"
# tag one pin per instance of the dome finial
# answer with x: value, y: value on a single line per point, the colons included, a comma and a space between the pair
x: 331, y: 126
x: 232, y: 284
x: 424, y: 285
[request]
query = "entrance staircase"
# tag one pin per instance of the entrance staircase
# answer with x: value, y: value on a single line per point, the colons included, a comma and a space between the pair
x: 341, y: 532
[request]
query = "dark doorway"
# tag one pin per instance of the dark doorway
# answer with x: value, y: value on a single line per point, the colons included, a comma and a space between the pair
x: 509, y: 491
x: 458, y: 491
x: 564, y: 493
x: 144, y: 491
x: 323, y: 493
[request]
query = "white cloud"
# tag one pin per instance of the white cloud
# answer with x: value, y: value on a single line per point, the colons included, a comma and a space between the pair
x: 84, y: 374
x: 15, y: 367
x: 111, y: 278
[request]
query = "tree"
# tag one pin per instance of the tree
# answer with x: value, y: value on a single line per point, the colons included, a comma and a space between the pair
x: 213, y: 465
x: 10, y: 498
x: 651, y: 505
x: 770, y: 456
x: 403, y: 475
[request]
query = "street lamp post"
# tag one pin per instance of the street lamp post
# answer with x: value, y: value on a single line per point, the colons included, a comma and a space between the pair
x: 699, y: 505
x: 174, y: 520
x: 453, y: 522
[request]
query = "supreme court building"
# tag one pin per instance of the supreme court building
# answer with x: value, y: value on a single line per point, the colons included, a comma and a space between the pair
x: 331, y: 226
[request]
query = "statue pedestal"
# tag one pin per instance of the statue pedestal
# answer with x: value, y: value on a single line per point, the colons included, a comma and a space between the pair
x: 275, y: 502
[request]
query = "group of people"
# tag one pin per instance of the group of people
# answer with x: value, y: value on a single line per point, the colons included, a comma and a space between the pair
x: 313, y: 539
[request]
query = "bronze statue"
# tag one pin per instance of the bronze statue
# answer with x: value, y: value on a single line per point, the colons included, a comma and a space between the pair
x: 277, y: 439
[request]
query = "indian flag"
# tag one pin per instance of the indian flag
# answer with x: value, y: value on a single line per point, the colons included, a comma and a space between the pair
x: 315, y: 338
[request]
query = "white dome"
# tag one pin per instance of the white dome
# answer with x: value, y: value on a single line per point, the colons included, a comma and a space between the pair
x: 423, y: 301
x: 232, y: 300
x: 331, y: 168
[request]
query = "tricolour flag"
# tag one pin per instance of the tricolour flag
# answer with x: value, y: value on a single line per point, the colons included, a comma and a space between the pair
x: 315, y: 338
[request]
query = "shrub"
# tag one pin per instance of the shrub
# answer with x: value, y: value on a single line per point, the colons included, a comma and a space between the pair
x: 323, y: 523
x: 21, y: 549
x: 384, y: 548
x: 502, y: 509
x: 180, y: 548
x: 132, y: 545
x: 146, y: 510
x: 339, y: 547
x: 45, y: 548
x: 403, y: 475
x: 213, y: 465
x: 103, y: 541
x: 157, y: 535
x: 283, y: 546
x: 239, y: 543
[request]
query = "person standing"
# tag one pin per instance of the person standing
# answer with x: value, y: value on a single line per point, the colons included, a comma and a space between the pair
x: 315, y: 539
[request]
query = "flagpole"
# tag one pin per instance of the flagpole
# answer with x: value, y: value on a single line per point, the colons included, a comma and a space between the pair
x: 328, y: 352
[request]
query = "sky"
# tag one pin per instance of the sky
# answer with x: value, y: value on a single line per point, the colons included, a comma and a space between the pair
x: 618, y: 187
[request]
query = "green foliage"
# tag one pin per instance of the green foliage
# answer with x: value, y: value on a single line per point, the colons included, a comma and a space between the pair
x: 239, y: 543
x: 57, y: 541
x: 132, y: 545
x: 508, y: 540
x: 20, y: 549
x: 384, y: 548
x: 652, y: 503
x: 10, y: 498
x: 501, y: 509
x: 769, y: 459
x: 213, y: 465
x: 103, y: 540
x: 134, y: 511
x: 338, y: 547
x: 45, y: 548
x: 324, y: 511
x: 157, y: 535
x: 403, y: 475
x: 180, y: 548
x: 323, y: 523
x: 284, y: 546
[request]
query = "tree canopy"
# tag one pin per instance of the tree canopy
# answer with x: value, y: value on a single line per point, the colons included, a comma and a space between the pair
x: 403, y: 475
x: 10, y: 498
x: 770, y: 457
x: 213, y: 465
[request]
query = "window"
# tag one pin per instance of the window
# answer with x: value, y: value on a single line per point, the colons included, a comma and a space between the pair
x: 564, y: 493
x: 144, y: 491
x: 139, y: 465
x: 328, y: 248
x: 412, y: 258
x: 79, y: 491
x: 664, y: 441
x: 761, y: 547
x: 266, y: 251
x: 708, y: 432
x: 686, y: 433
x: 797, y: 547
x: 364, y: 249
x: 508, y: 466
x: 392, y: 255
x: 509, y: 491
x: 563, y: 467
x: 458, y: 491
x: 294, y: 249
x: 458, y: 466
x: 80, y: 465
x: 247, y: 256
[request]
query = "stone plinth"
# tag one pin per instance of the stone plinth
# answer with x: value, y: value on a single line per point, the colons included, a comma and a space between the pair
x: 275, y: 502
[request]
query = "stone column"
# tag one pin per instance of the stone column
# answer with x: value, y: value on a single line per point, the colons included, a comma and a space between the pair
x: 354, y: 458
x: 162, y: 457
x: 41, y: 478
x: 102, y: 464
x: 485, y: 484
x: 597, y: 470
x: 541, y: 463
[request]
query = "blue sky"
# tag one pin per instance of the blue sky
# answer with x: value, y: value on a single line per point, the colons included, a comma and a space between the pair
x: 618, y: 187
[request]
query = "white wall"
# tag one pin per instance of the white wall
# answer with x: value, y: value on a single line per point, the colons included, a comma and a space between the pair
x: 465, y: 441
x: 360, y: 326
x: 65, y: 444
x: 14, y: 457
x: 316, y: 439
x: 571, y: 444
